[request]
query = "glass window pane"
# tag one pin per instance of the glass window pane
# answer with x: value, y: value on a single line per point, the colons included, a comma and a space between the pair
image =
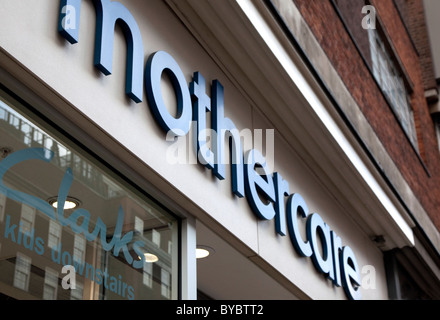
x: 391, y: 82
x: 50, y: 284
x: 97, y: 236
x: 22, y: 271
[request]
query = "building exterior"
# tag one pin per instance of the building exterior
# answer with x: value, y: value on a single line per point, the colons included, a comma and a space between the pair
x: 433, y: 59
x: 295, y: 141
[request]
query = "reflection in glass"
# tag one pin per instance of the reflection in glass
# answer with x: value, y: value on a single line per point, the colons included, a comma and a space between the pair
x: 22, y: 271
x: 106, y: 238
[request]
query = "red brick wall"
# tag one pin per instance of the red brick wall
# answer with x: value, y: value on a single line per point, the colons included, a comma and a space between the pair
x: 417, y: 28
x: 339, y: 47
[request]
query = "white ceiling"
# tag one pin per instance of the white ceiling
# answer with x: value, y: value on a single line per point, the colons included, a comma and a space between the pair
x: 229, y: 275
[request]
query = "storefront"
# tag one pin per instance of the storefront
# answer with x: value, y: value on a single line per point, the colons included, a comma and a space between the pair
x: 188, y: 125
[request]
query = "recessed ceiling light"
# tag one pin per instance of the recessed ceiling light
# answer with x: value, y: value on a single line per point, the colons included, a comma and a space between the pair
x: 70, y: 203
x: 203, y: 252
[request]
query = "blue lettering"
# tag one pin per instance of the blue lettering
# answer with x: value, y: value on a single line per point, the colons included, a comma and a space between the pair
x: 224, y: 127
x: 108, y: 13
x: 98, y: 276
x: 295, y: 205
x: 254, y: 161
x: 90, y: 271
x: 39, y: 246
x: 10, y: 230
x: 157, y: 64
x: 121, y: 243
x: 202, y: 104
x: 56, y: 254
x: 25, y: 238
x: 350, y: 274
x: 281, y: 190
x: 316, y: 226
x: 79, y: 266
x: 66, y: 258
x: 28, y: 239
x: 265, y: 192
x: 130, y: 295
x: 337, y: 247
x: 68, y: 24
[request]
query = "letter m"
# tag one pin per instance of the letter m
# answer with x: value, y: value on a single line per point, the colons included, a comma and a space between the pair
x: 109, y: 13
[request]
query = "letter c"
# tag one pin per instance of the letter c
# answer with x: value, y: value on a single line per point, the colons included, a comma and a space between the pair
x: 295, y: 204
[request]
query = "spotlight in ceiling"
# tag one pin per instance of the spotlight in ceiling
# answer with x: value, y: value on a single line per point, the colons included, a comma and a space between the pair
x: 70, y: 203
x: 149, y: 257
x: 204, y: 251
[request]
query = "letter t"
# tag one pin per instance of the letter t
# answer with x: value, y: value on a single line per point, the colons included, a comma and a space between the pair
x: 202, y: 103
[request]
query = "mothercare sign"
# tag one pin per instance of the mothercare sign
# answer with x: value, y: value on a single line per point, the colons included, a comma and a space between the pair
x: 265, y: 192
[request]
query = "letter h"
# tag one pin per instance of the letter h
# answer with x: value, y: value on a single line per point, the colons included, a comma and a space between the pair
x: 225, y: 127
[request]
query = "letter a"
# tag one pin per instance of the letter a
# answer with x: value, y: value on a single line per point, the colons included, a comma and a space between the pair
x: 69, y: 280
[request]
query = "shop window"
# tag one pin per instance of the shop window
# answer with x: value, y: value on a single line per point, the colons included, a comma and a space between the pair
x: 121, y: 243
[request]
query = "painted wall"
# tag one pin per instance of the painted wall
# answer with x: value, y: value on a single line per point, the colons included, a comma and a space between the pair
x: 29, y: 35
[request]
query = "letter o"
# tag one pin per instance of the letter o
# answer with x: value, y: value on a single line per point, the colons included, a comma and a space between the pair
x: 157, y: 64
